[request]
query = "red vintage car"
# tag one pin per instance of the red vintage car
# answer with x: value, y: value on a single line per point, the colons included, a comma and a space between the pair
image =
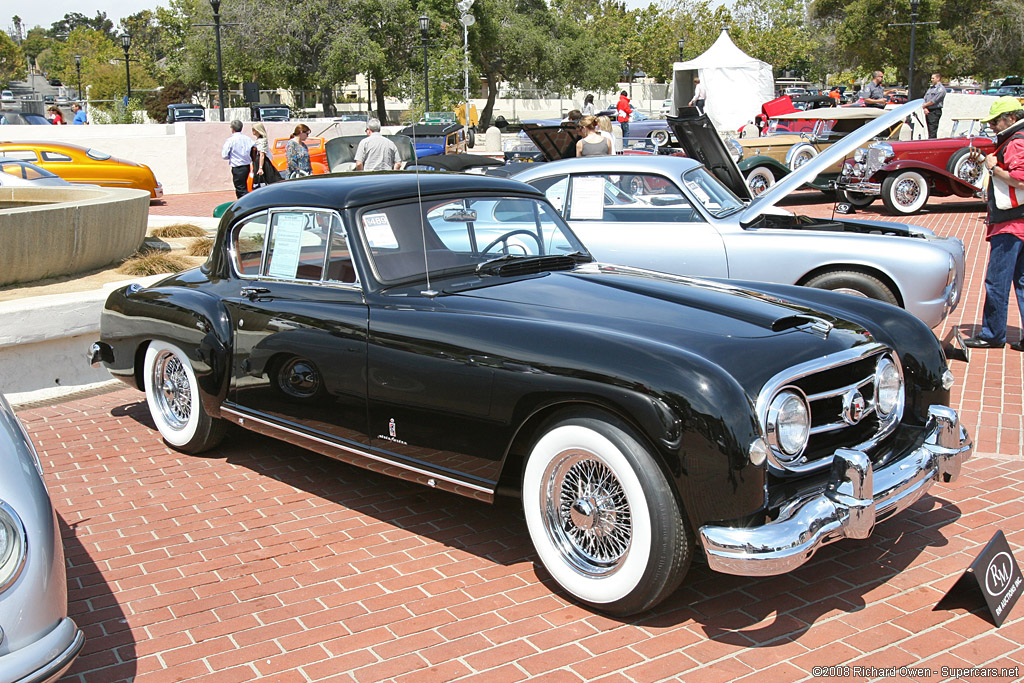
x: 906, y: 173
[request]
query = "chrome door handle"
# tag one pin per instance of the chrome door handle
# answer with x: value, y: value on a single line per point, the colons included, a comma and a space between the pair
x: 252, y: 293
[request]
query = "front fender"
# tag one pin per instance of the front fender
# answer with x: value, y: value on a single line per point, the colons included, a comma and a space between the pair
x: 194, y: 321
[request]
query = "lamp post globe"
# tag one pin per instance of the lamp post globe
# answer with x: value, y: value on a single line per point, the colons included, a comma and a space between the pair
x: 681, y: 44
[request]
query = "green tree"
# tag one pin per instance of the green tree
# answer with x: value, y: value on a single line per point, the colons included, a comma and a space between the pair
x: 12, y: 60
x: 74, y: 20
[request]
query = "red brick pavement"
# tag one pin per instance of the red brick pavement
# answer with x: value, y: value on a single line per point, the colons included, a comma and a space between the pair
x: 262, y: 560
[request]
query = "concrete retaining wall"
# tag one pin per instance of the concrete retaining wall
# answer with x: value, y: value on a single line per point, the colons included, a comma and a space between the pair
x: 62, y: 231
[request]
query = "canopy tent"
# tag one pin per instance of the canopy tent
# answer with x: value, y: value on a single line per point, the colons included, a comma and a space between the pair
x: 737, y: 84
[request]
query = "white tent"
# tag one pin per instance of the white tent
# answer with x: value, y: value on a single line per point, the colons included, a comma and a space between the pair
x: 737, y: 84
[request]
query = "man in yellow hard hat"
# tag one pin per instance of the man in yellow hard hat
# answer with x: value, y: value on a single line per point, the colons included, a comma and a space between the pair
x: 1005, y: 231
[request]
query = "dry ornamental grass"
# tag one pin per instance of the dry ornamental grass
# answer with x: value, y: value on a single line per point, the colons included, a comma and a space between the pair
x: 179, y: 230
x: 154, y: 261
x: 200, y: 247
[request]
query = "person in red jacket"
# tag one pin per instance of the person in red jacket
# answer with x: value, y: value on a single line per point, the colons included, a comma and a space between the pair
x: 622, y: 112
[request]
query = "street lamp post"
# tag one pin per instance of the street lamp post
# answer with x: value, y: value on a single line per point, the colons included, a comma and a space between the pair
x: 914, y: 6
x: 424, y: 27
x: 215, y: 4
x: 629, y: 76
x: 681, y: 44
x: 467, y: 20
x: 126, y: 43
x: 78, y: 68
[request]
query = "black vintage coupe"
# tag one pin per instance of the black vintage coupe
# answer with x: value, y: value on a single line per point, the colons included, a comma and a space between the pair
x: 452, y: 330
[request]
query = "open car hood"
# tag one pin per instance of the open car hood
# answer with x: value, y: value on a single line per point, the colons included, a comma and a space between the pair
x: 701, y: 141
x: 342, y: 150
x: 554, y: 142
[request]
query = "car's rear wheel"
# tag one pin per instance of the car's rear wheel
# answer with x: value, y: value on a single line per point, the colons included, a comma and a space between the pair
x: 659, y: 137
x: 905, y: 192
x: 603, y: 517
x: 968, y: 164
x: 855, y: 283
x: 800, y: 155
x: 172, y: 394
x: 858, y: 199
x: 760, y: 179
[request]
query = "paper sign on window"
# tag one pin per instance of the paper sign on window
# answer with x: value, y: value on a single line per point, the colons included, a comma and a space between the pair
x: 587, y: 199
x: 284, y: 260
x: 379, y: 234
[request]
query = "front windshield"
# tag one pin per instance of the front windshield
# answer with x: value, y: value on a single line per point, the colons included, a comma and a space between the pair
x: 460, y: 234
x: 710, y: 193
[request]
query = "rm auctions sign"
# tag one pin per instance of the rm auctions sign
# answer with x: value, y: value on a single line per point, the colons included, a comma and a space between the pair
x: 996, y: 574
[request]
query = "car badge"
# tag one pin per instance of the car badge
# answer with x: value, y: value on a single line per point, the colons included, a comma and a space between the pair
x: 391, y: 427
x: 853, y: 407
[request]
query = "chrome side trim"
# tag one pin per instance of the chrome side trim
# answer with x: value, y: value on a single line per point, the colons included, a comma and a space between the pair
x: 241, y: 416
x: 854, y: 499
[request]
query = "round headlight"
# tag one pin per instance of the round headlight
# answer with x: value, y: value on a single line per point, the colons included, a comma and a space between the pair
x: 789, y: 423
x: 735, y: 149
x: 12, y: 545
x: 888, y: 387
x: 861, y: 155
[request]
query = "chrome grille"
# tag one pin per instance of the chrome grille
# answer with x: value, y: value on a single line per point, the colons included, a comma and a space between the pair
x: 834, y: 386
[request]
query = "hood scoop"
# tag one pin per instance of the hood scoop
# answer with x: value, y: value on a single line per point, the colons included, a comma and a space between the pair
x: 532, y: 266
x: 810, y: 323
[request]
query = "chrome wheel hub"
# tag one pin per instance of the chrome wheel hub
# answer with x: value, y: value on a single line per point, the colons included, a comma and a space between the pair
x: 174, y: 391
x: 907, y: 192
x: 586, y: 513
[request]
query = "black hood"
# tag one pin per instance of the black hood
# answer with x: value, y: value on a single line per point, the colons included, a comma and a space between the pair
x: 700, y: 141
x: 554, y: 142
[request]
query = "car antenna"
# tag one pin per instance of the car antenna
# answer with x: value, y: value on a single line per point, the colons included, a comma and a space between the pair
x: 429, y: 291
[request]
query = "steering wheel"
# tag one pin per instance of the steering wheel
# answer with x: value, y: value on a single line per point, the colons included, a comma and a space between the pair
x: 503, y: 239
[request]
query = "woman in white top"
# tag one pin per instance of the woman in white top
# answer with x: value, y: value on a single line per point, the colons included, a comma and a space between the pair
x: 588, y: 105
x: 604, y: 127
x: 593, y: 143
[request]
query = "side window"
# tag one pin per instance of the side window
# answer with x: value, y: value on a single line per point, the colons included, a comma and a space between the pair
x: 554, y: 189
x: 339, y: 258
x: 20, y: 154
x: 297, y: 245
x: 248, y: 244
x: 628, y: 198
x: 55, y: 156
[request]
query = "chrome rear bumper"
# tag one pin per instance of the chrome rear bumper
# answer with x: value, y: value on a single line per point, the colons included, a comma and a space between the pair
x: 855, y: 498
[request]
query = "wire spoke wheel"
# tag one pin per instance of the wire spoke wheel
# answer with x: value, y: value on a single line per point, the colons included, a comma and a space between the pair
x: 587, y: 514
x: 174, y: 395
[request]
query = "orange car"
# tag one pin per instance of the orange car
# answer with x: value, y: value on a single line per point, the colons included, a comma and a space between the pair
x: 279, y: 157
x: 83, y: 165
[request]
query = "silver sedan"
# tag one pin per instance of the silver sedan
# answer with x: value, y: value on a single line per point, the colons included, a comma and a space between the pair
x: 38, y: 642
x: 672, y: 214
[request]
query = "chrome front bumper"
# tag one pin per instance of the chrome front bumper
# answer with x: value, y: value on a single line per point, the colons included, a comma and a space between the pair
x: 862, y: 187
x: 45, y: 660
x: 855, y: 497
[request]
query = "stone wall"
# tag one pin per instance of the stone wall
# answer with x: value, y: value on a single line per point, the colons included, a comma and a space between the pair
x: 61, y: 231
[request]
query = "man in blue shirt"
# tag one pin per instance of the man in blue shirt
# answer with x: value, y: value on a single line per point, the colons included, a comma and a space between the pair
x: 236, y: 151
x: 80, y: 118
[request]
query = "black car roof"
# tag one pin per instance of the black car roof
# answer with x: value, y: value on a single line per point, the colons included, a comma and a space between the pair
x: 346, y: 190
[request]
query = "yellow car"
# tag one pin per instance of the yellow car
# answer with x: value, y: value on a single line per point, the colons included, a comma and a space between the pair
x: 84, y: 165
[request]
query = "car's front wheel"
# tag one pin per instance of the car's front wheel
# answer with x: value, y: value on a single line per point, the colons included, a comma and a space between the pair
x: 603, y: 517
x: 172, y: 394
x: 855, y: 283
x: 759, y: 179
x: 858, y: 199
x: 905, y: 192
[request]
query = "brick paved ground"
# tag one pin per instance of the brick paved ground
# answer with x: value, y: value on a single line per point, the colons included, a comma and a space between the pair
x: 261, y: 560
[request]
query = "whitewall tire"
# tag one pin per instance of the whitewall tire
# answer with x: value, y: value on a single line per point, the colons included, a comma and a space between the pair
x: 602, y: 516
x: 905, y: 192
x: 172, y: 394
